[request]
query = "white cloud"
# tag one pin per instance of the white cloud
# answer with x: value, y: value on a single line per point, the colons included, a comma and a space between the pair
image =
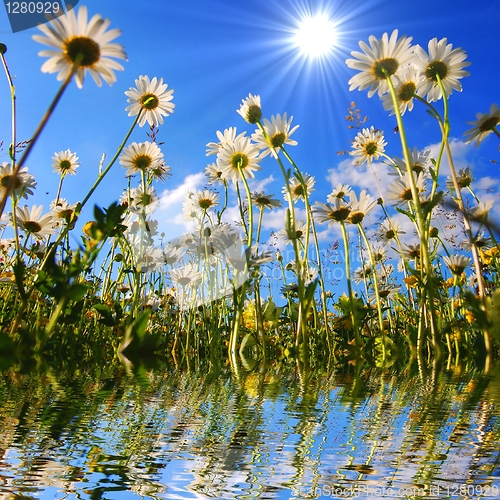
x: 373, y: 178
x: 171, y: 199
x: 260, y: 184
x: 169, y: 215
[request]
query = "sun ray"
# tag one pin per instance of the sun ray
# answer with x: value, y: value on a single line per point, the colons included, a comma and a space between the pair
x: 315, y: 36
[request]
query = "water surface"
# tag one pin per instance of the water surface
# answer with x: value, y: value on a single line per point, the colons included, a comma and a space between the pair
x: 275, y: 431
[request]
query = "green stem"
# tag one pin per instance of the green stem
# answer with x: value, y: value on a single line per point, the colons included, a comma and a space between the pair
x: 375, y: 285
x: 301, y: 321
x: 13, y: 110
x: 36, y: 135
x: 108, y: 168
x: 427, y: 284
x: 460, y: 203
x: 250, y: 209
x: 349, y: 284
x: 261, y: 214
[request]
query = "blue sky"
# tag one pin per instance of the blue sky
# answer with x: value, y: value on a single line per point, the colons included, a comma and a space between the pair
x: 214, y: 54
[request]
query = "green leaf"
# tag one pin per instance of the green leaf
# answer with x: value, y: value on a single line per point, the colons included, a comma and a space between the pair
x: 248, y: 341
x: 19, y: 271
x: 407, y: 213
x: 76, y: 292
x: 429, y: 207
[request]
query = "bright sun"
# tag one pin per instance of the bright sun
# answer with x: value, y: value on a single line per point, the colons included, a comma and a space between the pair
x: 315, y: 36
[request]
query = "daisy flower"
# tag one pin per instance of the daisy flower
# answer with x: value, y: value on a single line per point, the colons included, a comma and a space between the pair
x: 407, y: 85
x: 201, y: 201
x: 24, y: 183
x: 288, y: 235
x: 411, y: 251
x: 481, y: 240
x: 65, y: 162
x: 278, y: 134
x: 186, y: 276
x: 160, y: 172
x: 443, y: 61
x: 153, y: 98
x: 141, y: 200
x: 420, y: 163
x: 340, y: 191
x: 250, y: 109
x: 335, y: 212
x: 464, y: 179
x: 381, y: 59
x: 399, y: 191
x: 152, y: 302
x: 76, y: 41
x: 379, y: 253
x: 237, y: 158
x: 360, y: 207
x: 263, y: 201
x: 142, y: 157
x: 386, y: 291
x: 214, y: 174
x: 368, y: 145
x: 299, y: 190
x: 457, y: 263
x: 31, y: 221
x: 388, y: 231
x: 483, y: 126
x: 171, y: 255
x: 480, y: 212
x: 224, y: 237
x: 150, y: 259
x: 362, y: 273
x: 229, y: 135
x: 62, y: 210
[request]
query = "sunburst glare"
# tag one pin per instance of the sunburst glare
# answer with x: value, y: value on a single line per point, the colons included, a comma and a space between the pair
x: 315, y: 36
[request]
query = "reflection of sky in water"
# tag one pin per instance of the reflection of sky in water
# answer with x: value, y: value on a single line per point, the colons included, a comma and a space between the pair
x: 247, y: 436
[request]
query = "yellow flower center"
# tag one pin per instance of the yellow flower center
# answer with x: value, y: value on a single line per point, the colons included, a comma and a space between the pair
x: 82, y: 47
x: 146, y: 199
x: 435, y: 69
x: 64, y: 165
x: 142, y: 162
x: 464, y: 181
x: 149, y: 101
x: 7, y: 179
x: 239, y: 160
x: 277, y: 140
x: 299, y: 190
x: 457, y: 269
x: 356, y: 217
x: 254, y: 114
x: 205, y: 203
x: 340, y: 214
x: 383, y: 68
x: 370, y: 148
x: 31, y: 226
x: 489, y: 124
x: 417, y: 168
x: 407, y: 91
x: 406, y: 195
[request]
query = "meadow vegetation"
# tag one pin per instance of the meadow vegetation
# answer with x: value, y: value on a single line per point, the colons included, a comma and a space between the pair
x: 230, y: 290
